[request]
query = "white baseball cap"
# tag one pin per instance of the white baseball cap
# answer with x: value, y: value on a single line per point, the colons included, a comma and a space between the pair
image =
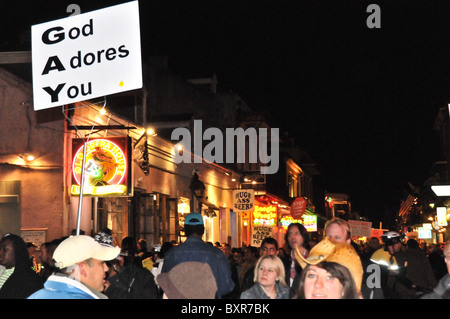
x: 79, y: 248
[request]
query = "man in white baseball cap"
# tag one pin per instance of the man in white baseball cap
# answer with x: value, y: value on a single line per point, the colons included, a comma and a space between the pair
x: 81, y: 263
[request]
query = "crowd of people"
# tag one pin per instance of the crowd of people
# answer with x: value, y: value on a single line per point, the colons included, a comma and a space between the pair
x: 97, y: 267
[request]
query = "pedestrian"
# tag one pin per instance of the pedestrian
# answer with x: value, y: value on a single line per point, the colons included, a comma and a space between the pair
x: 234, y: 294
x: 31, y: 247
x: 418, y: 277
x: 129, y: 251
x: 238, y: 255
x: 281, y: 253
x: 17, y: 278
x: 437, y: 262
x: 127, y: 278
x: 442, y: 289
x: 268, y: 280
x: 46, y: 257
x: 159, y: 258
x: 188, y: 280
x: 385, y: 258
x: 338, y: 230
x: 226, y: 248
x: 146, y: 257
x: 142, y: 250
x: 269, y: 246
x: 195, y: 249
x: 296, y: 236
x: 332, y: 270
x: 251, y: 256
x: 81, y: 270
x: 372, y: 246
x: 401, y: 269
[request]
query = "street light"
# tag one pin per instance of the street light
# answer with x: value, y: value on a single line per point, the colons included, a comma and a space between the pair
x: 198, y: 189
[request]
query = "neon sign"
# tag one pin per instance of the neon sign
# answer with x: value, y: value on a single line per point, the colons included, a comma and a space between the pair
x: 265, y: 215
x: 309, y: 221
x: 106, y: 167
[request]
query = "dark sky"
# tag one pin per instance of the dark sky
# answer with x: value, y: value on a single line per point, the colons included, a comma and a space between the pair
x: 361, y: 101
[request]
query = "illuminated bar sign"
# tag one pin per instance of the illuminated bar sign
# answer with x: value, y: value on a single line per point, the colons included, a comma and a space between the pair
x: 309, y: 221
x: 441, y: 213
x: 265, y: 215
x: 425, y: 233
x: 107, y: 167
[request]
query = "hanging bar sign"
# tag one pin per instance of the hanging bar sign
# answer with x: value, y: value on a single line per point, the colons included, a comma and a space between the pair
x: 107, y: 168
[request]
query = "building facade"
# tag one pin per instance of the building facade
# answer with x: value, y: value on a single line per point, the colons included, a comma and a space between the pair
x: 38, y: 195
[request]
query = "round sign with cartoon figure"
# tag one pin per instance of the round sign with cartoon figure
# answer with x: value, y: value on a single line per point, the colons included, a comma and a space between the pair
x: 105, y: 167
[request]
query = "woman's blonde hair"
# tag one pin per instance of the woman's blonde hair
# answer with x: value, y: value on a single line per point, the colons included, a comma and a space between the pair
x: 279, y: 268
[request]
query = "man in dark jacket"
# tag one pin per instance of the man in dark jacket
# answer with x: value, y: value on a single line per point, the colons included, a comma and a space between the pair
x: 127, y: 278
x: 418, y: 272
x: 132, y: 282
x: 195, y: 249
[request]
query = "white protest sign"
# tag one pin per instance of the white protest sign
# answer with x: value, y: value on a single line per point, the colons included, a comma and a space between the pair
x: 360, y: 228
x: 86, y: 56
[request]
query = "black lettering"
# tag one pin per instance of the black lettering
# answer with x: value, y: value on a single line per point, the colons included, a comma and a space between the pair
x: 99, y: 55
x: 49, y: 65
x: 77, y: 33
x: 54, y: 93
x: 72, y: 95
x: 86, y: 59
x: 75, y: 61
x: 58, y: 37
x: 124, y: 52
x: 110, y: 54
x: 89, y: 91
x: 89, y: 26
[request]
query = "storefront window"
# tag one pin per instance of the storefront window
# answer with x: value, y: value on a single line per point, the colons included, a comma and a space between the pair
x: 183, y: 209
x: 113, y: 214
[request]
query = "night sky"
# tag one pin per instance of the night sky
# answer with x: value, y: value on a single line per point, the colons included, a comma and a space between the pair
x: 360, y: 101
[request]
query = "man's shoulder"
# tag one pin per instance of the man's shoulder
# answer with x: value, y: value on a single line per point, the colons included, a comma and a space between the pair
x: 193, y: 243
x: 193, y: 249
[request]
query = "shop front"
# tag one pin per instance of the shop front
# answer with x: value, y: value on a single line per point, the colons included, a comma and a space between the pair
x: 134, y: 187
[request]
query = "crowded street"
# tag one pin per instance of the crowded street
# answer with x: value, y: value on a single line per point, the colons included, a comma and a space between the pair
x: 236, y: 158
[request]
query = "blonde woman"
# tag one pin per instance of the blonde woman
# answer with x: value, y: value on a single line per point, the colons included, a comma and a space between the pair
x: 269, y: 280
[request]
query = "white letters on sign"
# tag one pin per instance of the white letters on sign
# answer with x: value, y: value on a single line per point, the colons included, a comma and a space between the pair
x: 86, y: 56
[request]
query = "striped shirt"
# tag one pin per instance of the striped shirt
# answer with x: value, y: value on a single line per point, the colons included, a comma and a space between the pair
x: 4, y: 275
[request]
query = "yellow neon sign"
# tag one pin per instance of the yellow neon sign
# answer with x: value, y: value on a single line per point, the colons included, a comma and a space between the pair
x: 309, y: 221
x: 104, y: 190
x: 265, y: 215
